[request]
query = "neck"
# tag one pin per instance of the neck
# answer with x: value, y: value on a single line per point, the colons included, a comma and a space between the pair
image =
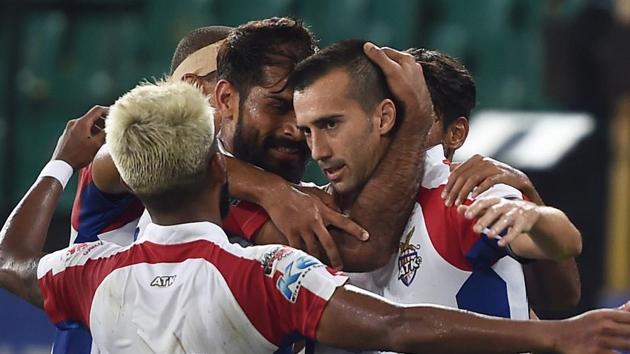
x: 346, y: 200
x: 199, y: 210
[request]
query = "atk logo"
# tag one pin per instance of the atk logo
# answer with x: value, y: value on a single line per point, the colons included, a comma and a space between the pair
x: 408, y: 259
x: 163, y: 281
x: 290, y: 282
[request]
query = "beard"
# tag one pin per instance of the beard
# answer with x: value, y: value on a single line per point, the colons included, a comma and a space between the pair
x: 224, y: 201
x: 247, y: 148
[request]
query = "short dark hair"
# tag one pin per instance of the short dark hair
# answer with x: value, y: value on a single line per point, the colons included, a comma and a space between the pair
x: 275, y: 41
x: 367, y: 81
x: 450, y: 84
x: 196, y: 40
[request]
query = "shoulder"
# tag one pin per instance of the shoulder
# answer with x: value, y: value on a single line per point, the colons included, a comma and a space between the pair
x: 76, y: 256
x: 501, y: 191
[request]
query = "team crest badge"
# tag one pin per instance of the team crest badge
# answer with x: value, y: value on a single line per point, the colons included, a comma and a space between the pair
x: 408, y: 259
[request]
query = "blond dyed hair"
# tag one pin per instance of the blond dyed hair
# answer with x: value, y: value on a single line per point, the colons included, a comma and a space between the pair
x: 160, y: 135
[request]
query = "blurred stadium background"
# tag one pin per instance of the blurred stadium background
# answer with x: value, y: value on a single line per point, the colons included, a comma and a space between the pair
x: 553, y: 74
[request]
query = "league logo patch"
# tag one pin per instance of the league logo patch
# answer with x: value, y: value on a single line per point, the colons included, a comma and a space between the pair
x: 269, y: 258
x: 408, y: 260
x: 83, y: 248
x: 290, y: 282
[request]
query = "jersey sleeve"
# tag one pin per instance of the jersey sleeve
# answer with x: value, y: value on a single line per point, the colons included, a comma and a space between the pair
x: 480, y: 250
x: 282, y: 291
x: 67, y: 289
x: 98, y: 215
x: 245, y: 219
x: 304, y: 284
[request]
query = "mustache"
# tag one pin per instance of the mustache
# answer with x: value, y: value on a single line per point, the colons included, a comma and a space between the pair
x: 275, y: 142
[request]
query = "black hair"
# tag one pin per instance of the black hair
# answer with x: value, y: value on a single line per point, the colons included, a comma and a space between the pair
x: 450, y: 84
x: 367, y: 81
x: 275, y: 41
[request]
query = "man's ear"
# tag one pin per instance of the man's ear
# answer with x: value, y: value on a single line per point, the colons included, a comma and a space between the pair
x: 385, y: 116
x: 206, y: 86
x: 226, y: 99
x: 456, y: 134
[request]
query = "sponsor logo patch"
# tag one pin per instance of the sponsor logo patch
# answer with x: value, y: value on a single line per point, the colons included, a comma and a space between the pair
x: 163, y: 281
x: 290, y: 282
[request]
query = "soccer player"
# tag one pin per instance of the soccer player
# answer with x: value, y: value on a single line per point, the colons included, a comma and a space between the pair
x: 185, y: 288
x: 256, y: 53
x: 441, y: 257
x: 103, y: 208
x: 551, y: 285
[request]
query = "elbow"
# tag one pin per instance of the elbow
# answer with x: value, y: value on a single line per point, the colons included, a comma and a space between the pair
x: 570, y: 246
x: 573, y: 248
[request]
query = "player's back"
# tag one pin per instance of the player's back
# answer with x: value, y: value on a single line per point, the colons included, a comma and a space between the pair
x: 185, y: 288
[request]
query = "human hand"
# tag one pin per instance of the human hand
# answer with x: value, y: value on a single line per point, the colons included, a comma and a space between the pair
x: 304, y: 218
x: 478, y: 174
x: 405, y: 79
x: 497, y: 214
x: 599, y: 331
x: 82, y: 138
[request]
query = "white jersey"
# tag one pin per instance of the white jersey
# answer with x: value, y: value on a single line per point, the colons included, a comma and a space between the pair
x: 441, y: 261
x: 186, y: 289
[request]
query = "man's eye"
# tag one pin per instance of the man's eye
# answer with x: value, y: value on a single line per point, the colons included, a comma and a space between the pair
x: 331, y: 125
x: 306, y: 131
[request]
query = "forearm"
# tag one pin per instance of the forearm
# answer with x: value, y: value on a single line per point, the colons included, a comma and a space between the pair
x: 531, y: 193
x: 438, y: 330
x: 356, y: 319
x: 385, y: 203
x: 24, y: 232
x: 555, y: 235
x: 551, y: 285
x: 248, y: 182
x: 22, y: 239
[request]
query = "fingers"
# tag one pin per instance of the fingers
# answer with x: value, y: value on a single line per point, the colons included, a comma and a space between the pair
x: 621, y: 317
x: 491, y: 212
x: 461, y: 195
x: 388, y: 64
x: 330, y: 247
x: 312, y: 246
x: 346, y: 224
x: 454, y: 182
x: 398, y: 56
x: 618, y: 343
x: 625, y: 307
x: 478, y: 207
x: 485, y: 185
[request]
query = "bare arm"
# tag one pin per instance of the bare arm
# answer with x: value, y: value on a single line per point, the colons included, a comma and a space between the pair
x: 551, y: 285
x: 384, y: 205
x: 385, y: 202
x: 355, y: 319
x: 23, y: 234
x: 535, y: 232
x: 299, y: 215
x: 105, y: 175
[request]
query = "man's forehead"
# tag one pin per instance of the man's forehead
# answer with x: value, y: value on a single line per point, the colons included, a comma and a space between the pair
x: 274, y: 77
